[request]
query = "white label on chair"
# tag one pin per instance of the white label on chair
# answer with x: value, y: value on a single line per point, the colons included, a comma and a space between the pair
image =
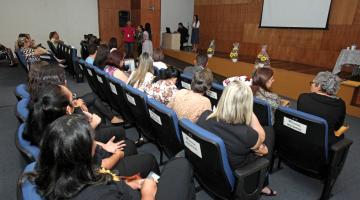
x: 192, y: 145
x: 113, y: 88
x: 185, y: 85
x: 211, y: 94
x: 155, y: 117
x: 130, y: 99
x: 297, y: 126
x: 99, y: 79
x: 89, y: 71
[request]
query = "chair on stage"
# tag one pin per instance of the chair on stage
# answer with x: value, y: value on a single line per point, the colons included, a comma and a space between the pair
x: 207, y: 154
x: 302, y: 143
x: 166, y: 127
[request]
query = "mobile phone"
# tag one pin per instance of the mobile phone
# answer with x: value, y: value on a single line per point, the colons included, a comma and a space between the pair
x: 154, y: 176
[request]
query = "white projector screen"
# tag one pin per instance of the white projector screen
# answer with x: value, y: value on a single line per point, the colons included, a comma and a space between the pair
x: 295, y: 13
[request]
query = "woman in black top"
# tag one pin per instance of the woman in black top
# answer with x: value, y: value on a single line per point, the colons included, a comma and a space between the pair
x: 323, y: 102
x: 65, y: 169
x: 235, y: 122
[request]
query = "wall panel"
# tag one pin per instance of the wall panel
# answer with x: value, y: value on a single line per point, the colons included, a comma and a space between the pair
x: 231, y: 21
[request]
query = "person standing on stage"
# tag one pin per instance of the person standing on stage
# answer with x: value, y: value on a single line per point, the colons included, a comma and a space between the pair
x: 195, y: 33
x: 129, y: 38
x: 184, y: 35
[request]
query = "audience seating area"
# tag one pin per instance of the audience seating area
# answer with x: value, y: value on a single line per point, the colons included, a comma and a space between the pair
x: 301, y: 138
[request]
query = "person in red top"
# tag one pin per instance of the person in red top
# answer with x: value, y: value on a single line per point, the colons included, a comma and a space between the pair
x: 129, y: 38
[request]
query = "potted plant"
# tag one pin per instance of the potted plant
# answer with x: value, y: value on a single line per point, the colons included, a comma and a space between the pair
x: 234, y: 55
x: 262, y: 58
x: 211, y: 49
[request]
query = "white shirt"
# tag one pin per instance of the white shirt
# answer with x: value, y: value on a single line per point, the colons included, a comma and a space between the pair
x: 160, y: 65
x: 196, y: 25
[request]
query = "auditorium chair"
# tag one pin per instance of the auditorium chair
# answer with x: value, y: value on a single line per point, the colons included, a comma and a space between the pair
x: 302, y: 143
x: 93, y: 81
x: 21, y: 92
x: 21, y: 57
x: 263, y: 112
x: 85, y: 67
x: 207, y: 154
x: 102, y: 80
x: 137, y: 102
x: 185, y: 81
x: 166, y: 128
x: 52, y: 48
x: 22, y: 112
x: 26, y: 190
x: 214, y: 93
x: 28, y: 151
x: 117, y: 88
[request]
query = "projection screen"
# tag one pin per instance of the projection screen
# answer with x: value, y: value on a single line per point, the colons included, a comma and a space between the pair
x: 295, y: 13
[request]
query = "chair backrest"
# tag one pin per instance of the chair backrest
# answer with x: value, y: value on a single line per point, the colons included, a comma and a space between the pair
x: 263, y: 112
x: 22, y: 60
x: 29, y: 152
x: 27, y: 189
x: 21, y: 91
x: 166, y: 127
x: 84, y: 50
x: 207, y: 154
x: 137, y: 102
x: 90, y: 69
x: 102, y: 79
x: 52, y: 47
x: 116, y: 87
x: 214, y: 93
x: 22, y: 111
x: 301, y: 139
x: 185, y: 81
x: 88, y: 74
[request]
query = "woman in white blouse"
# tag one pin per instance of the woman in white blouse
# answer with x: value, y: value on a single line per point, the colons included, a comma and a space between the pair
x: 195, y: 33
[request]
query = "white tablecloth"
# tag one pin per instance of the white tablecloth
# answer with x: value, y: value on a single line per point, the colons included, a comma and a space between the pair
x: 347, y: 57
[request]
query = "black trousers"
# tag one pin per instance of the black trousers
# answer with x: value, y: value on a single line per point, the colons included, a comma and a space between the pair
x: 141, y: 163
x: 176, y: 181
x: 269, y: 142
x: 95, y: 105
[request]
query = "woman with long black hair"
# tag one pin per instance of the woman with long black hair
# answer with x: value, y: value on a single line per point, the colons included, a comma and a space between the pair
x: 195, y: 32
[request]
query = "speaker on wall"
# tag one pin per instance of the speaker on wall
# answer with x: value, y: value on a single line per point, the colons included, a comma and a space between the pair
x: 124, y: 16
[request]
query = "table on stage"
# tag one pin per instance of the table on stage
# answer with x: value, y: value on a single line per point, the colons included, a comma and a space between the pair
x: 171, y: 41
x: 348, y: 57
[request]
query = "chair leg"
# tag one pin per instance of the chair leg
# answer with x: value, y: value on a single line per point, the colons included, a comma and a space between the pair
x: 279, y: 164
x: 328, y: 185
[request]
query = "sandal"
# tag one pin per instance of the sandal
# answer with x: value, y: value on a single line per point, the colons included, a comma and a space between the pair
x: 271, y: 194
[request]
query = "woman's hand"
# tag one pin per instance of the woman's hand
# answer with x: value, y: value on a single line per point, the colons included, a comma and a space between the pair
x: 136, y: 184
x: 262, y: 150
x: 80, y: 103
x: 93, y: 119
x: 148, y: 190
x: 112, y: 147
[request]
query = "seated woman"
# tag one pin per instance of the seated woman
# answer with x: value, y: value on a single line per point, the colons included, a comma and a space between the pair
x: 111, y: 150
x: 115, y: 65
x: 101, y: 55
x: 163, y: 87
x: 323, y: 102
x: 191, y: 103
x: 158, y: 56
x: 262, y: 80
x: 235, y: 122
x: 143, y: 76
x: 31, y: 54
x: 66, y: 171
x: 8, y: 55
x: 53, y: 74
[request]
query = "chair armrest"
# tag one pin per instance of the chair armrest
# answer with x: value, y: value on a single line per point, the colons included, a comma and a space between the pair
x: 341, y: 145
x: 341, y: 130
x: 251, y: 168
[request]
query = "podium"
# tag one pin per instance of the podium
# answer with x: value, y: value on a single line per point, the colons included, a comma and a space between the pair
x: 171, y: 41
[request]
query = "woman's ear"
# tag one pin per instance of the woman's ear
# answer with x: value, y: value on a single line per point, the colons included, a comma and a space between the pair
x: 69, y: 110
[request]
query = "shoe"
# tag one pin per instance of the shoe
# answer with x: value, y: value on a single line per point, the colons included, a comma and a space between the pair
x: 271, y: 194
x: 140, y: 142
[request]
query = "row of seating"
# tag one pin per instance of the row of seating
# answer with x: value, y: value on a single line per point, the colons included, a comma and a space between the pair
x: 69, y: 54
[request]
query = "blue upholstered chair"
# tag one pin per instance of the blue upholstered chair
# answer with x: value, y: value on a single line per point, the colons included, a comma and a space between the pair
x: 166, y: 128
x: 302, y: 143
x: 21, y: 57
x: 21, y: 92
x: 214, y: 93
x: 22, y: 112
x: 207, y: 154
x: 29, y: 152
x: 263, y: 112
x: 27, y: 190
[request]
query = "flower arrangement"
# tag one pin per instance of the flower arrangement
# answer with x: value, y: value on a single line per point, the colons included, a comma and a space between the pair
x: 262, y: 58
x: 234, y: 52
x: 211, y: 49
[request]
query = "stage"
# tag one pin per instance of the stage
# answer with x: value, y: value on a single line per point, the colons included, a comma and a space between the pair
x: 290, y: 79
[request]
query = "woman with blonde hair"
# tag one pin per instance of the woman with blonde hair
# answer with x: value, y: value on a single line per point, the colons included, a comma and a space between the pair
x: 234, y: 121
x: 143, y: 76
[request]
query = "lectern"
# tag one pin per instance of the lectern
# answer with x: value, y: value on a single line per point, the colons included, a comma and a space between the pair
x: 171, y: 41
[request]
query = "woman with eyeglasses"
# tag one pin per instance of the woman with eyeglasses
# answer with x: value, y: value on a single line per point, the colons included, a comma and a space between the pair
x: 323, y: 102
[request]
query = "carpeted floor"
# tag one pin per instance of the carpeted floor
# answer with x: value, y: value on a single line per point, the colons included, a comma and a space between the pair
x: 289, y: 184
